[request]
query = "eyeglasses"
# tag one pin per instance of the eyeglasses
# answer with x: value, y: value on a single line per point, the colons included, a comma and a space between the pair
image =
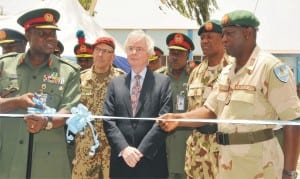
x: 136, y: 49
x: 103, y: 51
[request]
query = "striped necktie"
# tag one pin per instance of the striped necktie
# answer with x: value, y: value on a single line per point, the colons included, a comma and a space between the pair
x: 135, y: 93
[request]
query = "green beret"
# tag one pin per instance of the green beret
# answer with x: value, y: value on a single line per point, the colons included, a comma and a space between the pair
x: 241, y: 18
x: 40, y: 19
x: 10, y: 36
x: 179, y: 41
x: 210, y: 26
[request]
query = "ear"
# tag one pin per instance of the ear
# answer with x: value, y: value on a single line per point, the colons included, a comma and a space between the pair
x: 27, y: 34
x: 247, y: 32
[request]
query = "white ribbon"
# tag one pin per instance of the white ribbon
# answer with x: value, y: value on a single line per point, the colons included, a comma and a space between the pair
x: 224, y: 121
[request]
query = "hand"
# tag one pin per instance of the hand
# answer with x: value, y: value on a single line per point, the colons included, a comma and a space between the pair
x: 35, y: 123
x: 25, y: 100
x: 166, y: 123
x: 131, y: 156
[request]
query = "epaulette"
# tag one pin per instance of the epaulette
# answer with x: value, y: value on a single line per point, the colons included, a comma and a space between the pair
x: 162, y: 69
x: 70, y: 63
x: 120, y: 70
x: 7, y: 55
x: 84, y: 71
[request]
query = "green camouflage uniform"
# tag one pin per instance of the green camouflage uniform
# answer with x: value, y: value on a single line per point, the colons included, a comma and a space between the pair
x: 60, y: 80
x: 259, y: 90
x: 93, y: 91
x: 201, y: 152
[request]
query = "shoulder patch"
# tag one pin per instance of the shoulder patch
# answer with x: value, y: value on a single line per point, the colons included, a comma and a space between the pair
x: 282, y: 73
x: 70, y: 62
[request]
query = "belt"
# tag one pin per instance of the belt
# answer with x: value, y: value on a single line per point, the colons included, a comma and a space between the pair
x: 244, y: 137
x: 208, y: 129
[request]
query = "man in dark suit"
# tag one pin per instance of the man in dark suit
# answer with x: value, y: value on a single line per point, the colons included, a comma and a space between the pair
x: 138, y: 146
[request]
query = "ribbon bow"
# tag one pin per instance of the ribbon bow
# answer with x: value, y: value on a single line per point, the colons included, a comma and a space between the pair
x: 76, y: 124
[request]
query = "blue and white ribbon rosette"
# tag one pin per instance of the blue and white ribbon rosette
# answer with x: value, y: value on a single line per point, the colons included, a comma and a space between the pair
x: 76, y: 124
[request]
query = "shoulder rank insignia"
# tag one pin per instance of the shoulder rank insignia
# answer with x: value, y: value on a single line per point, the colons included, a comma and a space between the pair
x: 282, y: 73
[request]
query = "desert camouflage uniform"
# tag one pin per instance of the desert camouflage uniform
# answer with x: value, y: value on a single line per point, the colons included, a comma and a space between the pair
x: 259, y: 90
x: 201, y: 151
x: 93, y: 91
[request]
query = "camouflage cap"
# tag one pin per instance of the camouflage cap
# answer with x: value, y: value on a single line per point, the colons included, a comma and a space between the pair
x: 241, y: 18
x: 45, y: 18
x: 179, y: 41
x: 210, y: 26
x: 11, y: 36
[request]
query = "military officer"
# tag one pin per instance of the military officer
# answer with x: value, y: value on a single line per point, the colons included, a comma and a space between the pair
x: 94, y: 82
x: 59, y: 49
x: 204, y: 164
x: 155, y: 62
x: 83, y: 51
x: 36, y: 73
x: 12, y: 42
x: 180, y: 47
x: 257, y: 86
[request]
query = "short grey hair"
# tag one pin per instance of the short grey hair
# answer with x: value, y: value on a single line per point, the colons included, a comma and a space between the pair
x: 140, y: 34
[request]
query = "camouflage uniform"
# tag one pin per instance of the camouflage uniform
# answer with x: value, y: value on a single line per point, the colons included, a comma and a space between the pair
x: 259, y: 90
x: 201, y: 151
x: 93, y: 91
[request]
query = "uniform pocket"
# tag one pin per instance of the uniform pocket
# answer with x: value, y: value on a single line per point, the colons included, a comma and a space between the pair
x: 195, y: 90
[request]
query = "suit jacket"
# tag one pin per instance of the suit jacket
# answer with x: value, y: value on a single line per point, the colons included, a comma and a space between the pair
x: 155, y: 99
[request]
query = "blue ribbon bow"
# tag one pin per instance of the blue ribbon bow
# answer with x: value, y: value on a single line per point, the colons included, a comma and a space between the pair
x: 76, y: 124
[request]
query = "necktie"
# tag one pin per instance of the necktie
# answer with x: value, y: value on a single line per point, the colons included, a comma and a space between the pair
x: 135, y: 93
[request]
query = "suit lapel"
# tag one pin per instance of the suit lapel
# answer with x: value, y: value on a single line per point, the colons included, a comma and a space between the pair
x: 148, y: 82
x: 128, y: 101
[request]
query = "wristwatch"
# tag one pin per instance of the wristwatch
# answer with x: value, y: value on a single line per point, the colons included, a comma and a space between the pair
x: 49, y: 123
x: 291, y: 174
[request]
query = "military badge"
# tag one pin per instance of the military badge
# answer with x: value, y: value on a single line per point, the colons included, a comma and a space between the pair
x: 282, y: 73
x: 209, y: 26
x: 48, y: 17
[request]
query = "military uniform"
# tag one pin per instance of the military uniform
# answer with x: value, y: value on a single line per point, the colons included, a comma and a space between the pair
x: 255, y: 92
x: 263, y: 88
x: 176, y: 141
x: 59, y: 79
x: 202, y: 149
x: 93, y: 90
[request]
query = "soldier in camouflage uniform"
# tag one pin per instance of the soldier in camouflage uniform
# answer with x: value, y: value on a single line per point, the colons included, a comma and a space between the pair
x: 201, y: 151
x: 94, y: 82
x: 257, y: 86
x: 178, y: 70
